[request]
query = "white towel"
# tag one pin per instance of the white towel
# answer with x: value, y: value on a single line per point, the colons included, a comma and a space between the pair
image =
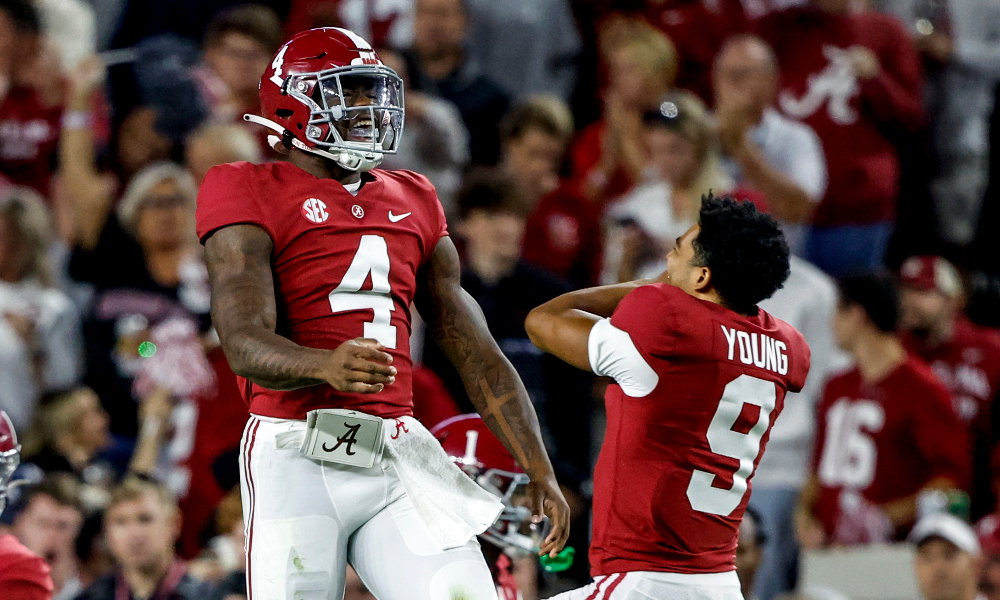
x: 454, y: 508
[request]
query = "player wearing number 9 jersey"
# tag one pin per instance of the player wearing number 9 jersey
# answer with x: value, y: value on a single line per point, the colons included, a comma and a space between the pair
x: 314, y: 264
x: 700, y: 376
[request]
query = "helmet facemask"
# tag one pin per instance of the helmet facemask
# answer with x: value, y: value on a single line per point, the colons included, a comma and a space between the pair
x: 507, y: 532
x: 356, y: 113
x: 8, y: 463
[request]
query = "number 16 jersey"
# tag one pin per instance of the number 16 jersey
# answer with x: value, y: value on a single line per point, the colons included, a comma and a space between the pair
x: 697, y: 389
x: 344, y: 266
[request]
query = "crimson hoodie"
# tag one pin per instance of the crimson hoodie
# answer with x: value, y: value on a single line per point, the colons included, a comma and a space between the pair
x: 851, y: 116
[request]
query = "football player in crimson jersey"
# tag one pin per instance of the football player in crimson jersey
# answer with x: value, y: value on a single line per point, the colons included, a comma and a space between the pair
x: 700, y: 376
x: 314, y: 263
x: 23, y: 576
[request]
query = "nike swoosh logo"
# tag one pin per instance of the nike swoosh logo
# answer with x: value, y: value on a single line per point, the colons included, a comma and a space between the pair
x: 398, y: 218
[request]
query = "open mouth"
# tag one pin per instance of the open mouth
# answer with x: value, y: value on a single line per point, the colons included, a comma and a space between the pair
x: 361, y: 130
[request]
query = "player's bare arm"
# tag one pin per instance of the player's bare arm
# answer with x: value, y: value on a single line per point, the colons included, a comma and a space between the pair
x: 459, y: 327
x: 562, y: 325
x: 244, y: 313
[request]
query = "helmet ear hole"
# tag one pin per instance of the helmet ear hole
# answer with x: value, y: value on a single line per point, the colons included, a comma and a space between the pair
x: 284, y: 113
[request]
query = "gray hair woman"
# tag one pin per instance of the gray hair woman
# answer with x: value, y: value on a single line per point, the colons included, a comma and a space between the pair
x: 145, y: 266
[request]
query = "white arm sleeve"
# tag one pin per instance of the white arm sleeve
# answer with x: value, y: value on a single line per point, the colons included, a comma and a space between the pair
x: 613, y: 354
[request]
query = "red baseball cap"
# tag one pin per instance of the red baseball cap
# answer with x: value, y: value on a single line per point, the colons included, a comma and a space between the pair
x: 931, y: 273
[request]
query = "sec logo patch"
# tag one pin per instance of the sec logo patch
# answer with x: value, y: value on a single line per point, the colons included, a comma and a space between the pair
x: 314, y: 210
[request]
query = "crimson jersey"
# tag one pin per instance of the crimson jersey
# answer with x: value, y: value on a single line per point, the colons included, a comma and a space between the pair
x: 885, y: 440
x: 23, y: 576
x: 697, y: 389
x: 969, y: 366
x: 345, y: 266
x: 29, y: 139
x: 850, y: 115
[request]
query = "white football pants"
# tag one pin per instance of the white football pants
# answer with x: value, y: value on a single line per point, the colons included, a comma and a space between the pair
x: 649, y: 585
x: 306, y: 519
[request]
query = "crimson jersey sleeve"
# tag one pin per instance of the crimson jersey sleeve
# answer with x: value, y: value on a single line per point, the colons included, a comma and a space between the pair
x: 941, y: 437
x: 649, y: 316
x: 23, y: 576
x: 227, y: 197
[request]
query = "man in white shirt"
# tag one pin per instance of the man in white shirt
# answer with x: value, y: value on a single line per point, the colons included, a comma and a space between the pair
x: 763, y: 149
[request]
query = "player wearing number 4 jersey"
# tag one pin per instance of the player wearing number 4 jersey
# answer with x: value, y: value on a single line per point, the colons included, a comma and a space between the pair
x: 700, y: 376
x: 314, y: 264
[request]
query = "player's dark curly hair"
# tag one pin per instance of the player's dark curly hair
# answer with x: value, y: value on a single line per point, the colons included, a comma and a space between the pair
x: 745, y: 250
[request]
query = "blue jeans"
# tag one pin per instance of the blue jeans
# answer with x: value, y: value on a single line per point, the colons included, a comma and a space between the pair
x: 779, y: 565
x: 847, y: 249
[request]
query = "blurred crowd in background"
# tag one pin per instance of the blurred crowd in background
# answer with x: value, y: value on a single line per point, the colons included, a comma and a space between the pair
x: 570, y: 142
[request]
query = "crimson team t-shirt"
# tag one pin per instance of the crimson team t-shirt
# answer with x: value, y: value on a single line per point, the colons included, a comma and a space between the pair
x: 29, y: 139
x: 345, y: 266
x: 969, y: 366
x: 697, y: 389
x: 885, y: 440
x: 23, y: 575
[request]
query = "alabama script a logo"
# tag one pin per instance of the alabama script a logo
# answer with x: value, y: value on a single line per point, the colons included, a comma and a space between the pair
x: 348, y: 438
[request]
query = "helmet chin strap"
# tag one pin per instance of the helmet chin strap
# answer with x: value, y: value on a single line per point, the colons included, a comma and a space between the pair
x: 351, y: 160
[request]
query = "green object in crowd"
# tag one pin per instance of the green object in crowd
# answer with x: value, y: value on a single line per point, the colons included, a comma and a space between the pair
x: 561, y: 562
x: 147, y: 349
x: 959, y: 504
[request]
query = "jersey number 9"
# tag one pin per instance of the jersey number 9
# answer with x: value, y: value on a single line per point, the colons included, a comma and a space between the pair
x: 723, y: 441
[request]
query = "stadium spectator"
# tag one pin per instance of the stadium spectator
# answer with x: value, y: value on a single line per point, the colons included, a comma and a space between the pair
x: 989, y: 579
x: 958, y: 43
x: 40, y: 345
x: 159, y: 275
x: 563, y: 234
x: 545, y: 35
x: 383, y: 23
x: 807, y: 302
x: 217, y: 143
x: 607, y: 158
x: 965, y: 357
x: 885, y: 429
x: 682, y: 165
x: 141, y: 524
x: 437, y: 63
x: 29, y: 114
x: 239, y: 43
x: 948, y: 558
x: 436, y: 143
x: 698, y: 29
x: 492, y: 225
x: 855, y: 79
x: 68, y: 433
x: 762, y: 148
x: 47, y: 520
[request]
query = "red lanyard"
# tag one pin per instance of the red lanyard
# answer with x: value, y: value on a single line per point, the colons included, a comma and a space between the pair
x: 163, y: 591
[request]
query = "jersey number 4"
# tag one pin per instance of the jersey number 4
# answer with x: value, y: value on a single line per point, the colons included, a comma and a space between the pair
x: 372, y: 257
x: 723, y: 441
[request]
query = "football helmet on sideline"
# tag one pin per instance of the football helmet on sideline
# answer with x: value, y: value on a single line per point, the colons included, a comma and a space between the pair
x: 327, y: 93
x: 10, y: 455
x: 474, y: 448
